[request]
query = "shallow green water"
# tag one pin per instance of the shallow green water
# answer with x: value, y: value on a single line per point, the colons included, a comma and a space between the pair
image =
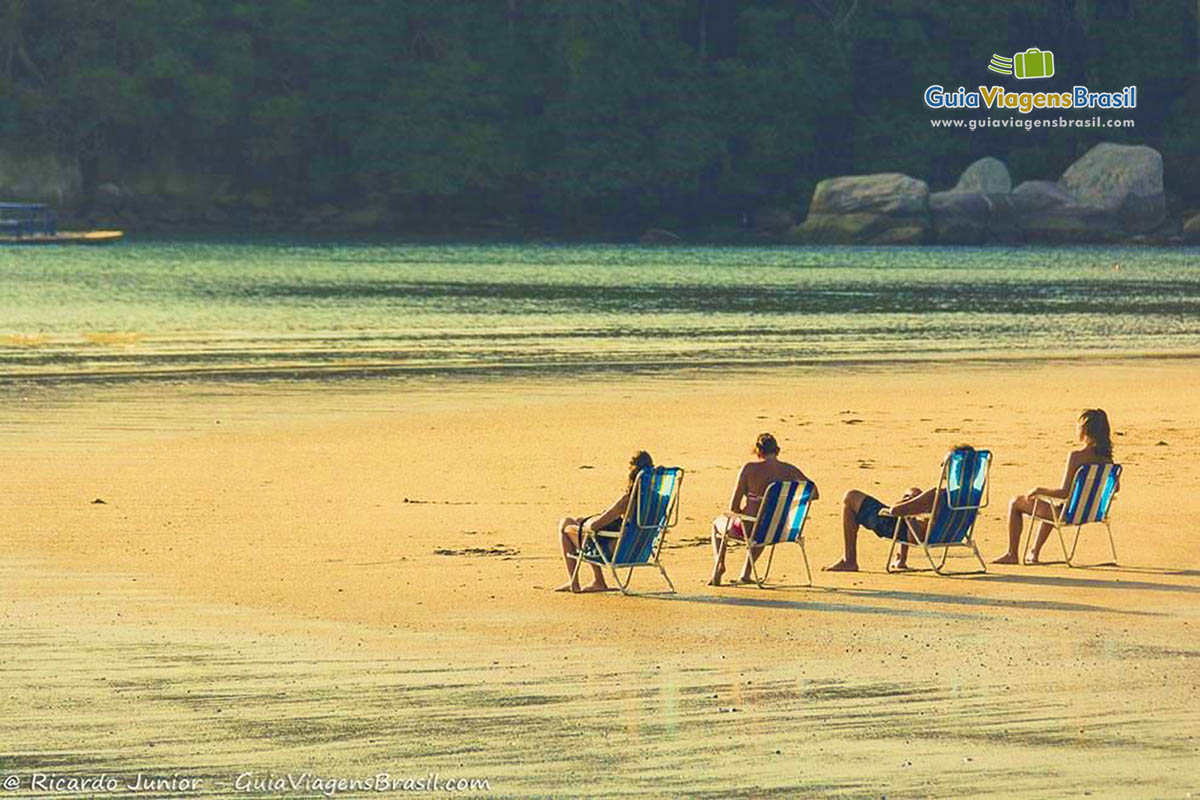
x: 222, y: 309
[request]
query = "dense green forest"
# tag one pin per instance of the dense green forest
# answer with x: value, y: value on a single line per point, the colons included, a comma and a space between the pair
x: 568, y: 116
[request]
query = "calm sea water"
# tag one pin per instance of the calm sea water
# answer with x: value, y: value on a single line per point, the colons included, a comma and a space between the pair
x: 247, y: 310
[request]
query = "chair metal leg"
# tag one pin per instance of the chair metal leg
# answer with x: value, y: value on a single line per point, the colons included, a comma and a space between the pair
x: 901, y: 527
x: 975, y: 550
x: 749, y: 566
x: 578, y: 562
x: 575, y: 572
x: 622, y: 585
x: 1111, y: 542
x: 929, y: 556
x: 1074, y: 544
x: 666, y: 577
x: 891, y: 552
x: 1063, y: 542
x: 1029, y: 539
x: 804, y: 555
x: 763, y: 579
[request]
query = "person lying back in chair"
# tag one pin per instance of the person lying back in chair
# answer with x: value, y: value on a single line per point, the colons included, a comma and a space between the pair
x: 860, y: 509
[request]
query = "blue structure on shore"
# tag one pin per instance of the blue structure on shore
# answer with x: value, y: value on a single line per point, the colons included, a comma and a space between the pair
x: 27, y: 219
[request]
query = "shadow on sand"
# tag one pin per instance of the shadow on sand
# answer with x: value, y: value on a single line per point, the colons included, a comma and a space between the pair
x: 891, y: 610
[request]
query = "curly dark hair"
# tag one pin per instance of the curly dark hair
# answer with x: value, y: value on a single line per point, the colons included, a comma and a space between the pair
x: 639, y: 461
x: 1096, y: 431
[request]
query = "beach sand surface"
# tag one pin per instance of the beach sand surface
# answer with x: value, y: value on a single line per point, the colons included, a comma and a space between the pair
x: 341, y: 580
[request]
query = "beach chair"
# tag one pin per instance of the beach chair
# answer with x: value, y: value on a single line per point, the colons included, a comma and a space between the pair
x: 1089, y: 501
x: 962, y: 490
x: 780, y: 518
x: 653, y: 509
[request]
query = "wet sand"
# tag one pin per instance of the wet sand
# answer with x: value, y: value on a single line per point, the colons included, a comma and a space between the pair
x: 346, y: 581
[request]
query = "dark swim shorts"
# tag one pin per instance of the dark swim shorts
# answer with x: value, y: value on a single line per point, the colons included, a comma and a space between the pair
x: 606, y: 542
x: 868, y: 517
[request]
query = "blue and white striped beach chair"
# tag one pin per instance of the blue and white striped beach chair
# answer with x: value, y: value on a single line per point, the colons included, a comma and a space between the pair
x: 1089, y: 501
x: 653, y: 509
x: 780, y: 518
x: 962, y: 490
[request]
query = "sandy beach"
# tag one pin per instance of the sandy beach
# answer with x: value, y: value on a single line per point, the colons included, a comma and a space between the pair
x: 344, y: 580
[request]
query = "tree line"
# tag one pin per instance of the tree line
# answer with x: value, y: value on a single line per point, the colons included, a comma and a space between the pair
x: 571, y: 115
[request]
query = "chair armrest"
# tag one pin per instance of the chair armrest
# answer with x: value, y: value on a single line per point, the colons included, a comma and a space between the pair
x: 607, y: 534
x: 746, y: 517
x: 886, y: 512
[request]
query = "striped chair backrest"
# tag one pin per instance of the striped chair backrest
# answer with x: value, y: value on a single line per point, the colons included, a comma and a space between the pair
x: 1091, y: 493
x: 782, y: 512
x: 957, y: 505
x: 655, y: 493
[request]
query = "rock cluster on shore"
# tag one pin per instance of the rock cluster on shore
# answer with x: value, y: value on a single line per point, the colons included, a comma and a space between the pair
x: 1113, y: 193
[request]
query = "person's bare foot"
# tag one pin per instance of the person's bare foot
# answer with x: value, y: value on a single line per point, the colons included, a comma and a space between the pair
x: 745, y: 577
x: 899, y: 566
x: 715, y: 580
x: 1007, y: 558
x: 567, y: 587
x: 595, y: 587
x: 843, y: 566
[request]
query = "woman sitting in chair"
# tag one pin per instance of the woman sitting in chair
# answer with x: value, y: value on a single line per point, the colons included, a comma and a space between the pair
x: 572, y: 529
x: 752, y: 482
x: 1094, y: 432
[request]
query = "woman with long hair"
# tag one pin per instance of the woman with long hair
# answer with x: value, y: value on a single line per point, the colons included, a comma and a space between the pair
x: 572, y: 529
x: 752, y: 483
x: 1096, y: 436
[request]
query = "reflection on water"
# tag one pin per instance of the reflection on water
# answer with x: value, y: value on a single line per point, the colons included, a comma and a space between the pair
x: 211, y: 309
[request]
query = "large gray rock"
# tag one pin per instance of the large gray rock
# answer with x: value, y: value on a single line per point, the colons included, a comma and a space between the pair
x: 1111, y: 192
x: 987, y: 175
x: 1046, y: 212
x: 959, y: 217
x: 1122, y: 185
x: 974, y: 218
x: 1003, y: 226
x: 888, y: 208
x: 41, y: 178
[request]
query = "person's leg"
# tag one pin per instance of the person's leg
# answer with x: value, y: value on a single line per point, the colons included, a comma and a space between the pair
x: 720, y: 529
x: 747, y: 575
x: 597, y: 584
x: 850, y: 506
x: 1042, y: 511
x: 568, y: 530
x: 1018, y: 507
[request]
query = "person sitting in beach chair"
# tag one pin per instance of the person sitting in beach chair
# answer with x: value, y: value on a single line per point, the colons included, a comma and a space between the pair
x: 1094, y: 432
x: 860, y: 509
x: 753, y: 480
x: 571, y: 529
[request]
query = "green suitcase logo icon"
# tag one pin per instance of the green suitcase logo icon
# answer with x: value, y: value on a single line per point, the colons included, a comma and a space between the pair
x: 1033, y: 63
